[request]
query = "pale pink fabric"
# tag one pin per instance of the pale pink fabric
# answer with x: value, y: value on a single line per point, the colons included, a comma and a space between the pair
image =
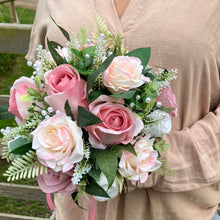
x: 183, y: 35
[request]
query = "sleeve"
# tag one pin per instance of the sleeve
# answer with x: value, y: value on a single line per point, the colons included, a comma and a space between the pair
x: 194, y: 155
x: 39, y: 30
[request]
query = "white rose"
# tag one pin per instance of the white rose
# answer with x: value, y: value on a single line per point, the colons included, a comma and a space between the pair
x: 162, y: 125
x: 112, y: 191
x: 123, y: 74
x: 58, y: 143
x: 136, y: 168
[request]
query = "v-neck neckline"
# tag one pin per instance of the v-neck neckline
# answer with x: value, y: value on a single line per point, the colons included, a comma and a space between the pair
x: 129, y: 18
x: 115, y: 8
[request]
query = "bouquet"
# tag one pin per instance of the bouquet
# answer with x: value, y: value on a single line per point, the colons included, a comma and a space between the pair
x: 90, y: 118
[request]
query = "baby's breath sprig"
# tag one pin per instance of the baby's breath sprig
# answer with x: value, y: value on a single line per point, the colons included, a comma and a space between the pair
x: 82, y: 167
x: 72, y: 44
x: 100, y: 52
x: 44, y: 62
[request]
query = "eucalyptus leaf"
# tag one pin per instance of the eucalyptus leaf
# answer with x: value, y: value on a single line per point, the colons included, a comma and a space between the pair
x: 20, y: 146
x: 161, y: 146
x: 65, y: 33
x: 86, y: 118
x: 93, y: 76
x: 142, y: 53
x: 94, y: 189
x: 107, y: 161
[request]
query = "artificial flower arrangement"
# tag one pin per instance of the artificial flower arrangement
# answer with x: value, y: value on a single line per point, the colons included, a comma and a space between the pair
x: 90, y: 117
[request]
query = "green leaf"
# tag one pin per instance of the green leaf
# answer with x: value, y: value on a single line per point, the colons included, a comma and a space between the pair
x: 26, y: 98
x: 94, y: 189
x: 147, y: 73
x: 88, y: 62
x: 6, y: 116
x: 86, y: 118
x: 90, y: 50
x: 68, y: 110
x: 65, y: 33
x: 75, y: 198
x: 37, y: 82
x: 142, y: 53
x: 56, y: 45
x: 95, y: 173
x: 78, y: 54
x: 52, y: 48
x: 93, y: 76
x: 120, y: 180
x: 161, y: 146
x: 33, y: 92
x: 126, y: 95
x: 107, y: 161
x: 82, y: 72
x: 20, y: 146
x: 167, y: 110
x: 85, y: 73
x: 127, y: 147
x: 94, y: 95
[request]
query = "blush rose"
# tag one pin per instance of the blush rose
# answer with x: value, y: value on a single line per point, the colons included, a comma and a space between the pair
x: 56, y: 182
x: 168, y: 100
x: 58, y: 143
x: 119, y: 125
x: 123, y: 74
x: 136, y: 168
x: 64, y: 83
x: 19, y: 88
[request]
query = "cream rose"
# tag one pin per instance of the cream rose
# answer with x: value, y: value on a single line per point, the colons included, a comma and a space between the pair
x: 123, y: 74
x: 58, y: 143
x: 136, y: 168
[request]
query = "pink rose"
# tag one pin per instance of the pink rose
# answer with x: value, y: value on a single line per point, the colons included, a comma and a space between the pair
x: 16, y: 106
x: 136, y: 168
x: 58, y: 143
x: 56, y: 182
x: 64, y: 83
x: 123, y: 74
x: 168, y: 100
x: 119, y: 125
